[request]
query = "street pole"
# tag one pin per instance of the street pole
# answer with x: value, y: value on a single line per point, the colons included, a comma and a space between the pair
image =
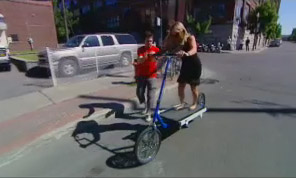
x: 160, y: 41
x: 65, y: 20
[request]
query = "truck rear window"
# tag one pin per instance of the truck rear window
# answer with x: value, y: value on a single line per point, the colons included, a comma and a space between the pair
x: 125, y: 39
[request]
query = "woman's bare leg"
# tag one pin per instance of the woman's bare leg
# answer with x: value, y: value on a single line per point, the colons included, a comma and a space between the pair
x: 181, y: 93
x: 195, y: 93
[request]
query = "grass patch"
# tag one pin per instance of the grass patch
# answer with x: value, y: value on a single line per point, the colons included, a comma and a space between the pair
x: 29, y: 57
x: 27, y: 52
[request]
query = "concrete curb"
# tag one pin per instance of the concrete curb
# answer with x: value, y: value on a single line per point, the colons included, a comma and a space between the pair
x: 244, y: 52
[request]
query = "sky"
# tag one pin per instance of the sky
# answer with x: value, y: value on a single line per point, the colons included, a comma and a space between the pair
x: 287, y: 16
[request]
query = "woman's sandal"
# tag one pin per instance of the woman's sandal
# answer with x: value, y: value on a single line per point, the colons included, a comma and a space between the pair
x: 193, y: 107
x: 179, y: 106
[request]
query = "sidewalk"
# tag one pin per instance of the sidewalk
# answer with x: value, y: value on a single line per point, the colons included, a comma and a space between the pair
x: 26, y: 118
x: 244, y: 51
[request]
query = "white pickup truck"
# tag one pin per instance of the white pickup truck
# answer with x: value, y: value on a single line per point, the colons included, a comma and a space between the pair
x: 84, y: 51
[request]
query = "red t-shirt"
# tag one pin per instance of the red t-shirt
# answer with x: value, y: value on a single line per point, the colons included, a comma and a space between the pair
x: 148, y: 68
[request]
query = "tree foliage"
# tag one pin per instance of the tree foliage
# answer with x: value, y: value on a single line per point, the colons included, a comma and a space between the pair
x: 293, y: 35
x: 199, y: 28
x: 263, y: 20
x: 72, y: 20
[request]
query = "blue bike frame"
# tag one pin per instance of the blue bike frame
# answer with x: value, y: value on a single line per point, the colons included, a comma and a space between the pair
x: 156, y: 116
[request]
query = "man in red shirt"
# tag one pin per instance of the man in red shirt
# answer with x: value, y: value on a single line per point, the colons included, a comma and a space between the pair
x: 146, y: 73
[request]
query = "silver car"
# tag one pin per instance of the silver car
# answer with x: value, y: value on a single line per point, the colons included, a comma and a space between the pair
x: 4, y: 59
x: 84, y: 51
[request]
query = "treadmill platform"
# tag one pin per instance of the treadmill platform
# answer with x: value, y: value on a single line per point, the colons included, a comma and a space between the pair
x: 183, y: 116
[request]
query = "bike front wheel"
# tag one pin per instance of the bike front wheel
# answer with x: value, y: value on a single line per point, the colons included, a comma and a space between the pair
x: 147, y: 145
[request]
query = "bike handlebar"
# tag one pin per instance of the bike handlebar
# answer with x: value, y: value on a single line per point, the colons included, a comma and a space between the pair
x: 164, y: 55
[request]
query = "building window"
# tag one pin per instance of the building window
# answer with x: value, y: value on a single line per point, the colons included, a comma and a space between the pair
x: 111, y: 2
x: 98, y: 4
x: 14, y: 37
x: 219, y: 11
x: 238, y: 9
x: 85, y: 9
x: 113, y: 22
x: 247, y: 12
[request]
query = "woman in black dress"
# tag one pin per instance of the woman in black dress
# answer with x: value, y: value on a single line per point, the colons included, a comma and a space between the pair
x: 179, y: 38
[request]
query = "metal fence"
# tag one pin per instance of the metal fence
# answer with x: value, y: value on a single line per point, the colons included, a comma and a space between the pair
x: 70, y: 69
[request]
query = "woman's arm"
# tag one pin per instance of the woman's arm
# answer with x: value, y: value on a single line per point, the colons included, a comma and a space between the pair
x: 192, y: 46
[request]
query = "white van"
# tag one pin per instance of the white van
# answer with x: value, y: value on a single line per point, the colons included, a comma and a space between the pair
x: 4, y: 51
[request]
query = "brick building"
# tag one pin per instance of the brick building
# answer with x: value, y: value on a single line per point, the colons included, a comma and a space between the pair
x: 132, y: 16
x: 229, y: 19
x: 136, y: 16
x: 29, y: 19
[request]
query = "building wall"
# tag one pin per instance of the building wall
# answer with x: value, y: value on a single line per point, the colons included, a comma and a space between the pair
x: 239, y: 33
x: 27, y: 19
x: 222, y: 20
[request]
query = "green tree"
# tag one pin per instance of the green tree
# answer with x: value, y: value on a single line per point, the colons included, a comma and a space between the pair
x: 199, y: 28
x: 293, y: 35
x: 263, y: 20
x: 278, y: 31
x: 72, y: 20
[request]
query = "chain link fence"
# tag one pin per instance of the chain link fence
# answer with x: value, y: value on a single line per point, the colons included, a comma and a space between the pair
x: 69, y: 69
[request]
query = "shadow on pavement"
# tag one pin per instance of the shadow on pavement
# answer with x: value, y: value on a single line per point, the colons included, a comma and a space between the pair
x: 291, y: 112
x: 88, y: 133
x: 125, y: 83
x: 118, y: 75
x: 38, y: 72
x: 116, y: 108
x: 259, y: 102
x: 4, y: 70
x: 134, y: 104
x: 208, y: 81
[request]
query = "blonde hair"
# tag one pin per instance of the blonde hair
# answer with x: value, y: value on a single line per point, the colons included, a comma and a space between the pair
x: 170, y: 42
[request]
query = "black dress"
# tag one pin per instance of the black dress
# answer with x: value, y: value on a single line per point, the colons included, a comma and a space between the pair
x: 191, y: 68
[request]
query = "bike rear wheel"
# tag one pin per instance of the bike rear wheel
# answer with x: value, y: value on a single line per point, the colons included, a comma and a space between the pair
x: 147, y: 145
x: 202, y: 100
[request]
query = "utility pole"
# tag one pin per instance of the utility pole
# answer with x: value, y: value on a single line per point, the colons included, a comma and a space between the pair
x: 65, y: 20
x: 161, y: 22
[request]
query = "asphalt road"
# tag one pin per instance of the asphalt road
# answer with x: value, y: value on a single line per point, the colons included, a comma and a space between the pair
x: 249, y: 130
x: 15, y: 83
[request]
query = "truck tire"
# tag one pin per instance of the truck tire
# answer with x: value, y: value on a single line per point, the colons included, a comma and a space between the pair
x: 68, y: 68
x: 126, y: 59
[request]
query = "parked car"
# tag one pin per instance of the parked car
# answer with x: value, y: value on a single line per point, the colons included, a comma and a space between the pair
x: 82, y: 51
x: 4, y: 45
x: 275, y: 43
x: 4, y: 59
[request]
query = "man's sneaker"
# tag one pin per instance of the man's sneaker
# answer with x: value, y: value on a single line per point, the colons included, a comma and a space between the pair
x: 145, y: 111
x: 148, y: 118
